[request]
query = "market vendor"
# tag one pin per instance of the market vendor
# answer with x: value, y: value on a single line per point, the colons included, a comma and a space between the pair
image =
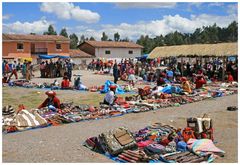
x: 51, y: 100
x: 230, y: 77
x: 65, y: 83
x: 186, y: 85
x: 160, y: 79
x: 200, y: 81
x: 110, y: 97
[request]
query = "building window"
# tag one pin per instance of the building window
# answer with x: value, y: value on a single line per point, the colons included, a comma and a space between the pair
x: 19, y: 46
x: 130, y: 52
x: 107, y: 52
x: 58, y: 46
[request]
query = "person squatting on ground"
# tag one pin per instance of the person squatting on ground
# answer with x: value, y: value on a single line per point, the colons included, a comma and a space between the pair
x: 65, y: 83
x: 52, y: 100
x: 200, y: 81
x: 110, y: 97
x: 186, y: 85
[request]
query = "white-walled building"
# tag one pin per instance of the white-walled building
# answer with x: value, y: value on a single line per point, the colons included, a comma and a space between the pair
x: 111, y: 49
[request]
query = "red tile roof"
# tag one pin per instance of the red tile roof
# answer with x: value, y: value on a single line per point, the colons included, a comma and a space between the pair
x: 77, y: 53
x: 29, y: 37
x: 112, y: 44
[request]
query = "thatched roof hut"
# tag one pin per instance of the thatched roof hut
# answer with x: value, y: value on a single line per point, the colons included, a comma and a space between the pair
x: 201, y: 50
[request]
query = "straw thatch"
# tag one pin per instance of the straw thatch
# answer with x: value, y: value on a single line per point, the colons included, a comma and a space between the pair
x: 207, y: 50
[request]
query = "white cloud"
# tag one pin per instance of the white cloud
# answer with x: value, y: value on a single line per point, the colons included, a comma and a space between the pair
x: 216, y: 4
x: 232, y: 9
x: 153, y: 28
x: 27, y: 27
x: 146, y: 5
x: 6, y: 17
x: 66, y: 11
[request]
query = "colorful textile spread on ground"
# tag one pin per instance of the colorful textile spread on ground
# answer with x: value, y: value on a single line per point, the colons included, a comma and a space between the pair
x: 153, y: 144
x: 131, y: 104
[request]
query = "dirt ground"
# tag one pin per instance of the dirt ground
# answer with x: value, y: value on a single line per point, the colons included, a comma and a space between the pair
x: 64, y: 143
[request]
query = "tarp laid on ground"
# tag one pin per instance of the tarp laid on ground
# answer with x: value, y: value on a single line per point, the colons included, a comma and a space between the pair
x: 119, y: 90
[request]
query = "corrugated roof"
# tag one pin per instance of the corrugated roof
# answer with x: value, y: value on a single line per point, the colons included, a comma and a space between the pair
x: 112, y: 44
x: 220, y: 49
x: 77, y: 53
x: 29, y: 37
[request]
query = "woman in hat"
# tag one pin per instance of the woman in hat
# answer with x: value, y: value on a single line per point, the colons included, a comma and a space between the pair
x: 110, y: 97
x: 51, y: 100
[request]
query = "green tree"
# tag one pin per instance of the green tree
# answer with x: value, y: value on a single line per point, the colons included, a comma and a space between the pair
x: 196, y: 36
x: 104, y: 37
x: 50, y: 31
x: 92, y: 38
x: 82, y: 39
x: 178, y: 38
x: 73, y: 41
x: 64, y: 32
x: 116, y: 37
x: 158, y: 41
x: 232, y: 30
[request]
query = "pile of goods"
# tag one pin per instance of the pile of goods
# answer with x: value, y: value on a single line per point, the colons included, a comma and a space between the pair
x: 159, y: 143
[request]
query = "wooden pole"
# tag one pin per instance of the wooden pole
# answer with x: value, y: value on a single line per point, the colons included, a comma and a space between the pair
x: 201, y: 61
x: 182, y: 65
x: 223, y: 69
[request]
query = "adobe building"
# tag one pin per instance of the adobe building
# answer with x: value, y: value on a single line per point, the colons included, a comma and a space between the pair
x: 17, y: 46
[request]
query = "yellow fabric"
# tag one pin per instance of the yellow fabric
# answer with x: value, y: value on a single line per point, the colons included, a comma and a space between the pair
x: 186, y: 87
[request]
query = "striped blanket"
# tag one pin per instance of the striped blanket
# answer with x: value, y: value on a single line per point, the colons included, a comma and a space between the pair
x: 25, y: 119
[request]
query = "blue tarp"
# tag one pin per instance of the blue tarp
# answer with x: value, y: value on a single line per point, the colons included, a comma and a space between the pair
x: 51, y: 56
x: 143, y: 57
x: 171, y: 89
x: 119, y: 90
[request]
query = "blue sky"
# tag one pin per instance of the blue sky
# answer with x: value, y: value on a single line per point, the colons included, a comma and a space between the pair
x: 129, y: 19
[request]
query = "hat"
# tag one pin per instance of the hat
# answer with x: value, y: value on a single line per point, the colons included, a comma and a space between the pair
x: 113, y: 87
x: 50, y: 93
x: 183, y: 79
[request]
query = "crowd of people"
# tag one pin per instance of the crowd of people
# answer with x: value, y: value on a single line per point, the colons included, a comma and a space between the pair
x: 48, y: 69
x: 60, y: 68
x: 100, y: 65
x: 149, y: 70
x: 10, y: 69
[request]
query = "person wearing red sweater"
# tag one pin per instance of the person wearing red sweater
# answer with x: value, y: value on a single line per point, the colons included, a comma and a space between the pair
x: 200, y: 81
x: 51, y: 100
x: 230, y: 77
x: 65, y: 83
